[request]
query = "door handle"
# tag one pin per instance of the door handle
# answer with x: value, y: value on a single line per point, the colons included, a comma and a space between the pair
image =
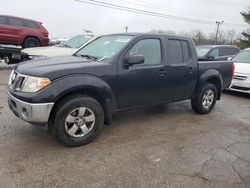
x: 190, y: 70
x: 162, y: 72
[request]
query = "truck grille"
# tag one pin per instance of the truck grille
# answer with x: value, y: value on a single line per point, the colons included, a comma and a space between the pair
x: 16, y: 81
x: 240, y: 77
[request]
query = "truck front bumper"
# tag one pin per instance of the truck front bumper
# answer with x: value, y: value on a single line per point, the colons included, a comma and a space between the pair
x: 37, y: 113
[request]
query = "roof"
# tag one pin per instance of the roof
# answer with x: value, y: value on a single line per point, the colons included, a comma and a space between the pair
x: 21, y: 18
x: 146, y: 34
x: 214, y: 46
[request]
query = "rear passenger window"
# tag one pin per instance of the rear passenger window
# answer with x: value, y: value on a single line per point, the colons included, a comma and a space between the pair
x: 2, y: 20
x: 224, y: 51
x: 15, y: 21
x: 150, y: 49
x: 29, y: 24
x: 234, y: 51
x: 174, y: 52
x: 178, y: 51
x: 186, y: 52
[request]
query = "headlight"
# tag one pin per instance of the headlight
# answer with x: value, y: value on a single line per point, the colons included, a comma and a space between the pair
x: 37, y: 57
x: 34, y: 84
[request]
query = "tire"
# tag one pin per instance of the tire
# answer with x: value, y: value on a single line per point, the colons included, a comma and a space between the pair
x: 72, y: 121
x: 30, y: 42
x: 205, y: 100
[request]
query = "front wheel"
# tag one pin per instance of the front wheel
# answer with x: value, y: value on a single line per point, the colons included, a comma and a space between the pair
x: 206, y: 98
x: 77, y: 120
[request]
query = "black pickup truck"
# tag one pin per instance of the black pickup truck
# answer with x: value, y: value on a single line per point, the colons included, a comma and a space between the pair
x: 75, y: 95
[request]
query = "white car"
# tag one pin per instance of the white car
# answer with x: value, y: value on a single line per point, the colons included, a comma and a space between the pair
x: 241, y: 80
x: 65, y: 48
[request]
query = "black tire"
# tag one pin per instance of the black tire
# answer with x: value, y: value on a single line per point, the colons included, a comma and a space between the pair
x: 198, y: 102
x: 64, y: 108
x: 30, y: 42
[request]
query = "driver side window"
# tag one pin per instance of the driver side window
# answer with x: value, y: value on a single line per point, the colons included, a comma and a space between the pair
x: 214, y: 53
x: 150, y: 49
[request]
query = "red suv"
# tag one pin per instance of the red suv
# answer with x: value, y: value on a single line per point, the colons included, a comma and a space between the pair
x: 21, y: 31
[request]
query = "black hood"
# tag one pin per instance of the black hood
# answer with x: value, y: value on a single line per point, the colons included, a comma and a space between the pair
x: 56, y: 67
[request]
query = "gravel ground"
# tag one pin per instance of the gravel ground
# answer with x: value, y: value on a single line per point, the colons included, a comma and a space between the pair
x: 162, y: 146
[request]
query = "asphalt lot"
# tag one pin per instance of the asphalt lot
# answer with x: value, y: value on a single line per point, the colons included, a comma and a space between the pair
x: 163, y: 146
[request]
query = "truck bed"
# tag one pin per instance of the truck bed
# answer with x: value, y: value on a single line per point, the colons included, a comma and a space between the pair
x: 222, y: 67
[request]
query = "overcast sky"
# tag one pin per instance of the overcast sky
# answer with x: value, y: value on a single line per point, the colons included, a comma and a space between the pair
x: 65, y: 18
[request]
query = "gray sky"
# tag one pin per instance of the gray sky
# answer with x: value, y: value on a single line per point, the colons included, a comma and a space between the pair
x: 64, y: 18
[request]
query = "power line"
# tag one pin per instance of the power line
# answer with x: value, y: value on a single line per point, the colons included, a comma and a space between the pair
x: 229, y: 3
x: 180, y: 11
x: 151, y: 13
x: 207, y: 1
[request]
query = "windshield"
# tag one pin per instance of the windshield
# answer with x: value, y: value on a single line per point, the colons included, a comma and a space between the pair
x: 202, y: 51
x: 104, y: 47
x: 76, y: 41
x: 242, y: 57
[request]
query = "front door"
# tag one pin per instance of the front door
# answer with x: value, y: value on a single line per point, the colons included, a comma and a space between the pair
x: 141, y: 85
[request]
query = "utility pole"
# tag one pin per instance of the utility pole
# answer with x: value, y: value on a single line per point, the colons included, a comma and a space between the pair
x: 217, y: 30
x: 126, y: 28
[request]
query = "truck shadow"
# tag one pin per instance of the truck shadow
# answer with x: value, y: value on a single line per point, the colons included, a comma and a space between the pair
x: 237, y: 94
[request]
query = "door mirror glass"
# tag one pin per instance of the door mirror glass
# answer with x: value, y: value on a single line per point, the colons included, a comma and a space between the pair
x: 134, y: 60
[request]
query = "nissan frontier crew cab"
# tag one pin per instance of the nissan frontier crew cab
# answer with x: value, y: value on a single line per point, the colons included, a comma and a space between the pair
x: 75, y: 95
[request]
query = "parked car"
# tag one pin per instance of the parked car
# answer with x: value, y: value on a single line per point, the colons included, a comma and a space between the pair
x: 76, y: 94
x: 10, y: 53
x: 68, y: 47
x: 216, y: 52
x: 241, y: 80
x: 21, y: 31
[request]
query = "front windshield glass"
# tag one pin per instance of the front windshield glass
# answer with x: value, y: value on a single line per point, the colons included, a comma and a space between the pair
x: 104, y: 47
x: 202, y: 51
x: 76, y: 41
x: 242, y: 57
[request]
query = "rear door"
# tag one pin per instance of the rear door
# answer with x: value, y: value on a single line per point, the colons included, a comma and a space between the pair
x: 3, y: 30
x: 182, y: 69
x: 143, y: 84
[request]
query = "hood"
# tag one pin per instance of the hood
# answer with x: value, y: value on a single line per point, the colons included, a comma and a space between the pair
x: 56, y: 67
x: 49, y: 51
x: 242, y: 68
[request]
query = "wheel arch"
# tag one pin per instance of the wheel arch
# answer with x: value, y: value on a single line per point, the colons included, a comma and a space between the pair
x: 212, y: 76
x: 96, y: 88
x: 33, y: 36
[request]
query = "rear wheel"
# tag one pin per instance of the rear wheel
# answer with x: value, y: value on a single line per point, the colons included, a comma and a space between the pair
x: 30, y: 42
x: 206, y: 98
x: 77, y: 120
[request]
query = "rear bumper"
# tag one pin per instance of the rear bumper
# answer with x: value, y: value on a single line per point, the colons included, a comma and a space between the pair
x: 32, y: 113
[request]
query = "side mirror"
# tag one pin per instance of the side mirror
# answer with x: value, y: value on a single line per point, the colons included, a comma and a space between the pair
x: 210, y: 57
x: 133, y: 60
x: 230, y: 58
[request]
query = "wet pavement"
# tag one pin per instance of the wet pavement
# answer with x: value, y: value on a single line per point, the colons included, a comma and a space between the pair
x: 162, y: 146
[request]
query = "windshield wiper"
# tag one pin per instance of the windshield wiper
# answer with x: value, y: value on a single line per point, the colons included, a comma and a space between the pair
x: 89, y: 57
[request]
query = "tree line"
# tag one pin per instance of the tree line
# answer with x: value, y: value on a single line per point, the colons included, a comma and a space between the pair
x: 230, y: 37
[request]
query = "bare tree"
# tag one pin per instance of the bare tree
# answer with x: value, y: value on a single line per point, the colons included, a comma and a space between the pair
x: 231, y: 36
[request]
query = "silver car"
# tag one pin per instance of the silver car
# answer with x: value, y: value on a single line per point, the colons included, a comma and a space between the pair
x: 241, y: 80
x: 68, y: 47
